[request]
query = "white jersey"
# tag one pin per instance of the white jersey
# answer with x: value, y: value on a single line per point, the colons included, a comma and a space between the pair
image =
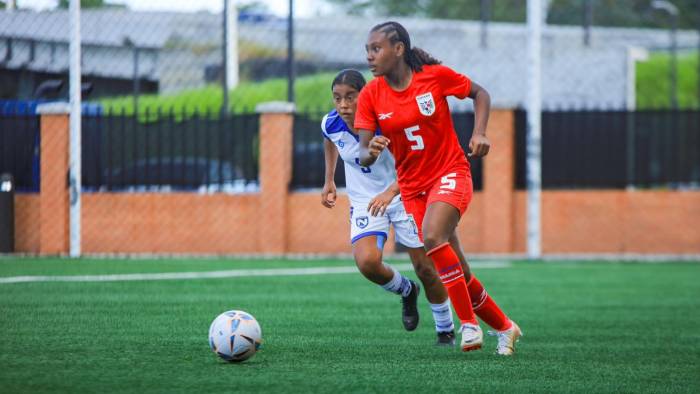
x: 362, y: 183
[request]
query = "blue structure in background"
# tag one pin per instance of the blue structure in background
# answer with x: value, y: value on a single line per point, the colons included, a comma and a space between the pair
x: 20, y: 140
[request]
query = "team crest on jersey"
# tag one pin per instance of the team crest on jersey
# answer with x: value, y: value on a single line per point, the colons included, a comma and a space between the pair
x: 362, y: 221
x: 426, y: 104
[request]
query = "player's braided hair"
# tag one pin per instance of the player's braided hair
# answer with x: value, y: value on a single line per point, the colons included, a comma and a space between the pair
x: 350, y: 77
x: 416, y: 58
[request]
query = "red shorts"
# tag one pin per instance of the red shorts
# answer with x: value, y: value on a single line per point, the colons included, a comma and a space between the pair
x: 454, y: 188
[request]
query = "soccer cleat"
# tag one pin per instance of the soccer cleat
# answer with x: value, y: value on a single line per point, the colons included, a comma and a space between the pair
x: 507, y: 339
x: 445, y: 338
x: 409, y: 314
x: 472, y: 337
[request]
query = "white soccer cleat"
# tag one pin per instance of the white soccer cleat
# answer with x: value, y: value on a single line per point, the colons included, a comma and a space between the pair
x: 472, y: 337
x: 507, y: 339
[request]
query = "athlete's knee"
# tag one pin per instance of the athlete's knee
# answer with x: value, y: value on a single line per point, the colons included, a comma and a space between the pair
x: 425, y: 270
x: 433, y: 239
x: 368, y: 263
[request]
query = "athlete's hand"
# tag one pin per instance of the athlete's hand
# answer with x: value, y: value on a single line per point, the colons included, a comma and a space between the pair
x: 377, y: 144
x: 479, y: 145
x: 328, y: 195
x: 380, y: 202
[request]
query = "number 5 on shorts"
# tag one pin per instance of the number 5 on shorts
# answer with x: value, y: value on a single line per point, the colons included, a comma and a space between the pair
x: 448, y: 182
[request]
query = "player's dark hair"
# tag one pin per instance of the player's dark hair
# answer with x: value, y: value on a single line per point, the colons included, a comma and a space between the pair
x: 350, y: 77
x: 416, y: 58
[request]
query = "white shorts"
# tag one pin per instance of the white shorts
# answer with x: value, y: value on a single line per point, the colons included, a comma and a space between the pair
x: 362, y: 224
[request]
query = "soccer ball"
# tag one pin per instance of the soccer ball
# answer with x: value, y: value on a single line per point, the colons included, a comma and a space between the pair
x: 235, y: 336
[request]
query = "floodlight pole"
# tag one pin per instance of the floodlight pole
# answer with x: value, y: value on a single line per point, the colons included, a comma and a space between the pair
x: 672, y: 10
x: 534, y: 132
x: 485, y: 14
x: 587, y: 21
x: 74, y: 177
x: 224, y: 60
x: 290, y: 53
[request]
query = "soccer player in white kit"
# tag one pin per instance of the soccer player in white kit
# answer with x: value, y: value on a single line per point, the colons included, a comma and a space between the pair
x: 375, y: 204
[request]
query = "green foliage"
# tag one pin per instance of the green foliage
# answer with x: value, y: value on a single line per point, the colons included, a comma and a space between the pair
x: 653, y: 81
x: 311, y: 92
x: 84, y: 4
x: 589, y: 328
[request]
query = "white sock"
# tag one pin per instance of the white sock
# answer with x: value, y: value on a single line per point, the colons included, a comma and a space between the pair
x: 442, y: 313
x: 399, y: 284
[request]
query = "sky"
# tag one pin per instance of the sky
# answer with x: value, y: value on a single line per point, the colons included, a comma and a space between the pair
x: 302, y: 8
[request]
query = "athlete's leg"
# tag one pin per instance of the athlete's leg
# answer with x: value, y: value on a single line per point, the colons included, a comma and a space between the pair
x: 457, y: 247
x: 367, y: 251
x: 439, y: 223
x: 368, y: 258
x: 434, y: 290
x: 406, y: 232
x: 483, y: 305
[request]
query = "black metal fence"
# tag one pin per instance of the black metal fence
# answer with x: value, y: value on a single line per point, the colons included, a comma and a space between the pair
x: 201, y: 152
x: 614, y: 149
x: 580, y: 150
x: 19, y: 150
x: 308, y: 164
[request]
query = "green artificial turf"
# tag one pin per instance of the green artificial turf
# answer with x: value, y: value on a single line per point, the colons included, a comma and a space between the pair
x: 589, y: 327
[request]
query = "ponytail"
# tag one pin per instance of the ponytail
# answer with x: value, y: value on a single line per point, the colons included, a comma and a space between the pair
x: 416, y: 58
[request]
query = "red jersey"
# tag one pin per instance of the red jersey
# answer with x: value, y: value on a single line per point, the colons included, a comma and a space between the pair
x: 418, y: 123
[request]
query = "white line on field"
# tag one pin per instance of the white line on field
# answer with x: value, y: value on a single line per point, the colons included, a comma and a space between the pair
x: 218, y: 274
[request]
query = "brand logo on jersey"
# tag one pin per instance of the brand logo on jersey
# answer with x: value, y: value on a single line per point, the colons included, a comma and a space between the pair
x: 362, y: 221
x: 385, y: 116
x: 341, y: 143
x: 443, y: 192
x: 426, y: 104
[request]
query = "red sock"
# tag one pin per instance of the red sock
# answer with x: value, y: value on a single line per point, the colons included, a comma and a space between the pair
x: 485, y: 307
x: 450, y: 271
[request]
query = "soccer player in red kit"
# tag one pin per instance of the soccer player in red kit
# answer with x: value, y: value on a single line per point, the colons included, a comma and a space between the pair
x: 407, y: 101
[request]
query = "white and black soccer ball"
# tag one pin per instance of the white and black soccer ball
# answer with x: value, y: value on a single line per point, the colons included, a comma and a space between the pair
x: 235, y: 336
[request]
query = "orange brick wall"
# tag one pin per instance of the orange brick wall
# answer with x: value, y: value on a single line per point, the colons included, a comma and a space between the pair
x: 614, y: 222
x: 169, y: 223
x: 276, y: 221
x: 27, y: 219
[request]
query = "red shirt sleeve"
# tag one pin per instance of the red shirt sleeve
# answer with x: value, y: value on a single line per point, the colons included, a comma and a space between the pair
x: 453, y: 83
x: 365, y: 117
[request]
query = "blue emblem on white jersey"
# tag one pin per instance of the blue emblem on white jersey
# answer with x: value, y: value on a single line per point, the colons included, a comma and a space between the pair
x: 362, y: 221
x: 363, y: 183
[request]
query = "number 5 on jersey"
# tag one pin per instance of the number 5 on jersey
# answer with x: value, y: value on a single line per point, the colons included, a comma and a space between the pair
x: 448, y: 181
x: 416, y: 139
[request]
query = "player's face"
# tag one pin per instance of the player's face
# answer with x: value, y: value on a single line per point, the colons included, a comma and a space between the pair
x: 345, y: 100
x: 382, y: 55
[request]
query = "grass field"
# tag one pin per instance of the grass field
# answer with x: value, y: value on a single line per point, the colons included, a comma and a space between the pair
x: 589, y: 327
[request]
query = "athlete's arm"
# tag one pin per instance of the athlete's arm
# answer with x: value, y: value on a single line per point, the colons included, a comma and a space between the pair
x: 371, y: 146
x: 381, y: 201
x: 328, y: 195
x: 479, y: 144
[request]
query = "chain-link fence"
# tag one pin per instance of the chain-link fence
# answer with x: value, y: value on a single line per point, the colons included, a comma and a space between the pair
x: 170, y: 132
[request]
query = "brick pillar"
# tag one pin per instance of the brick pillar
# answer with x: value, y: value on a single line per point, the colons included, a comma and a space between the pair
x: 499, y: 174
x: 276, y: 123
x: 53, y: 193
